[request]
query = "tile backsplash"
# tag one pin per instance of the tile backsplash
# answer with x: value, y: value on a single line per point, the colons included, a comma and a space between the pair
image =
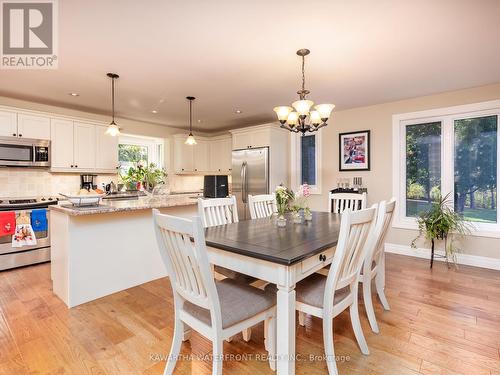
x: 23, y: 182
x: 26, y: 182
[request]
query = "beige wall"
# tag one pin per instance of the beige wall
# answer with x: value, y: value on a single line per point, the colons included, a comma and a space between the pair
x: 56, y: 181
x: 378, y: 119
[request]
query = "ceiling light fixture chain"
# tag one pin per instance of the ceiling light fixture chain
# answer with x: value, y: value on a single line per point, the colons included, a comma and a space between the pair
x: 296, y: 121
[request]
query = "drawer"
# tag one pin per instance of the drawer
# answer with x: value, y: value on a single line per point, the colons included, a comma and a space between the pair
x: 317, y: 261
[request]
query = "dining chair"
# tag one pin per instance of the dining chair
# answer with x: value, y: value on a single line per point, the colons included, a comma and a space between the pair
x: 374, y: 265
x: 326, y: 297
x: 215, y: 309
x: 262, y: 206
x: 221, y: 211
x: 339, y: 202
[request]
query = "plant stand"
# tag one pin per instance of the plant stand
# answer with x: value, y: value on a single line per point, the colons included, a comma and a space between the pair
x: 433, y: 255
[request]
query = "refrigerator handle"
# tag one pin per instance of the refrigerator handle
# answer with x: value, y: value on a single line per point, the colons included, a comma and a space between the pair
x: 244, y: 196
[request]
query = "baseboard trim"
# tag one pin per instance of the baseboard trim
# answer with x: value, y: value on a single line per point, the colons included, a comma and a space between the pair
x: 465, y: 259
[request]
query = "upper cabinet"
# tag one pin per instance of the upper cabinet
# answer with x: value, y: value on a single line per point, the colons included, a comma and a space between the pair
x: 23, y: 125
x: 183, y: 156
x: 106, y: 150
x: 8, y: 124
x: 208, y: 155
x: 35, y: 127
x: 201, y: 156
x: 251, y: 138
x: 82, y: 147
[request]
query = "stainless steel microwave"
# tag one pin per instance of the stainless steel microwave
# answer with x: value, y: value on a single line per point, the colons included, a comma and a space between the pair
x: 16, y: 152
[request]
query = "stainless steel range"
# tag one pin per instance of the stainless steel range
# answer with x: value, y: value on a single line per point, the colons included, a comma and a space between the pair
x: 11, y: 257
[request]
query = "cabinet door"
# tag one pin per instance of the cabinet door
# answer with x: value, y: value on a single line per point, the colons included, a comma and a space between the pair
x: 183, y: 156
x: 226, y: 155
x: 8, y: 124
x: 35, y: 127
x: 62, y: 150
x: 106, y: 150
x: 215, y: 151
x: 260, y: 138
x: 85, y: 140
x: 241, y: 141
x: 201, y: 156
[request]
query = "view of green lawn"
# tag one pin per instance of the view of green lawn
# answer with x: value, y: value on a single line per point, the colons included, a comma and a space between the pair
x: 479, y: 215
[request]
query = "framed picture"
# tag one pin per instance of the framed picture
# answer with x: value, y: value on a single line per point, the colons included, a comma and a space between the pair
x: 354, y: 151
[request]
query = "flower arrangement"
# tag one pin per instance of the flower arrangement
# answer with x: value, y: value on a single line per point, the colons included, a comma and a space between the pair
x: 300, y: 202
x: 284, y: 197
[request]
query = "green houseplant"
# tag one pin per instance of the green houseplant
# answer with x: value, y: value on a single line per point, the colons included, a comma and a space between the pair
x: 149, y: 176
x: 441, y: 223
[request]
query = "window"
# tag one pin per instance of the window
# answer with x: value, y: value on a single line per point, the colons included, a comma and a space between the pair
x: 134, y: 150
x: 450, y: 151
x: 306, y: 162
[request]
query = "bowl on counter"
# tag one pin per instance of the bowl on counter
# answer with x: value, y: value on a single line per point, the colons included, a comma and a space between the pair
x: 83, y: 200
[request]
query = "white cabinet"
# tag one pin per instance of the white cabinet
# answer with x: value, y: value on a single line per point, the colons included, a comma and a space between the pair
x: 201, y: 156
x: 62, y: 140
x: 220, y: 155
x: 8, y: 124
x: 106, y: 150
x: 36, y: 127
x: 251, y: 138
x: 84, y: 145
x: 183, y: 156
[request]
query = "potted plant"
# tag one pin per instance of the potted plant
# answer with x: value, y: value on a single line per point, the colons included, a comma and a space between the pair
x: 300, y: 208
x: 441, y: 223
x: 283, y: 198
x: 148, y: 176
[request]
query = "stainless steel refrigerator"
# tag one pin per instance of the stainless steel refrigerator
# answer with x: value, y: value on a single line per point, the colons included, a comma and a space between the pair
x: 250, y: 175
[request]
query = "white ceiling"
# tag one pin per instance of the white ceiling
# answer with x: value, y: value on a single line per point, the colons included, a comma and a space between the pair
x: 240, y: 54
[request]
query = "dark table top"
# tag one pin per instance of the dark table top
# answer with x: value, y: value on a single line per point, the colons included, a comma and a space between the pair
x: 262, y: 239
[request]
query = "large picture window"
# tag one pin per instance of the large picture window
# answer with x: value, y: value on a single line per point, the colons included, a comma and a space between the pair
x: 449, y: 152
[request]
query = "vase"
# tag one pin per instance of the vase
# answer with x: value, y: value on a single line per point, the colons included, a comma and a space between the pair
x: 308, y: 216
x: 297, y: 217
x: 281, y: 221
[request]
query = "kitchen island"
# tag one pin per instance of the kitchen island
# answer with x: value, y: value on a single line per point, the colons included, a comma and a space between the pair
x: 97, y: 251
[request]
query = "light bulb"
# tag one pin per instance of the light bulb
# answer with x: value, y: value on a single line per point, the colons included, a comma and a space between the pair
x: 190, y: 140
x: 282, y: 112
x: 324, y: 110
x: 303, y: 106
x: 292, y: 119
x: 113, y: 130
x: 315, y: 117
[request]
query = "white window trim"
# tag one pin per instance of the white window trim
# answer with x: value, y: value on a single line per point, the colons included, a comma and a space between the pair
x: 446, y: 116
x: 296, y: 162
x: 158, y: 155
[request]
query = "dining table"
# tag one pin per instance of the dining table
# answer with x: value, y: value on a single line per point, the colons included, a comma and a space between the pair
x: 279, y: 255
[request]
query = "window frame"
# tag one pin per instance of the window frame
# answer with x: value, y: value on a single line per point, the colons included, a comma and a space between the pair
x: 155, y: 146
x: 296, y: 161
x: 447, y: 117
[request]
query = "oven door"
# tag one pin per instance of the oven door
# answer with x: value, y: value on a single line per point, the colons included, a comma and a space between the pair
x: 42, y: 238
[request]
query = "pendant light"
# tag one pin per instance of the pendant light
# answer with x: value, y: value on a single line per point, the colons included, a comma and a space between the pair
x: 190, y: 139
x: 113, y: 129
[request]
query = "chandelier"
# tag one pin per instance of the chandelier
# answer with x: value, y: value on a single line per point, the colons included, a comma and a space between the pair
x: 303, y: 119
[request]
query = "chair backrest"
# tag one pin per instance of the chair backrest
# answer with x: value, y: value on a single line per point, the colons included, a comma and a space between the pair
x: 262, y: 205
x: 187, y: 262
x: 217, y: 211
x: 385, y: 216
x: 356, y: 237
x: 340, y: 202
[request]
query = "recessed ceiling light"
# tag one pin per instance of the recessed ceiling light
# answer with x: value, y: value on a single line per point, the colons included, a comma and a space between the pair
x: 74, y: 94
x: 154, y: 111
x: 199, y: 121
x: 238, y: 111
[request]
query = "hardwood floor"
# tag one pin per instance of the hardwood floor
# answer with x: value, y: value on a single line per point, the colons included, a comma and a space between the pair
x: 442, y: 322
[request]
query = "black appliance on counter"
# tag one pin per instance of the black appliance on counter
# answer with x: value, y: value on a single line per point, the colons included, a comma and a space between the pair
x: 215, y: 187
x: 88, y: 181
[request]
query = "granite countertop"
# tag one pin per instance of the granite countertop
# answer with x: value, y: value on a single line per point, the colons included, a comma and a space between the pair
x: 144, y: 203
